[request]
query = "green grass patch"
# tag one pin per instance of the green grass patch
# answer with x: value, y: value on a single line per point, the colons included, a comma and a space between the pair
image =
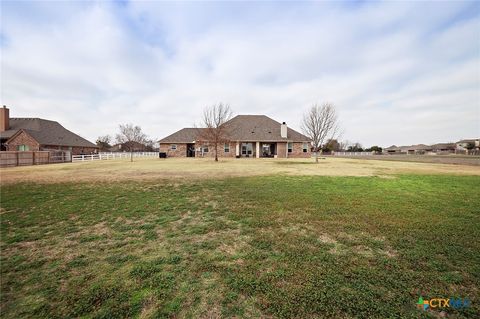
x: 284, y: 247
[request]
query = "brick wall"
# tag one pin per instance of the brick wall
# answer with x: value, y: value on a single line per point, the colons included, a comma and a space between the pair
x: 298, y: 151
x: 181, y: 150
x: 221, y: 150
x: 281, y: 150
x: 23, y: 139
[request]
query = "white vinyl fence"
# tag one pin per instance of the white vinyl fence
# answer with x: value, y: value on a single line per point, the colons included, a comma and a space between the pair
x: 112, y: 155
x: 353, y: 153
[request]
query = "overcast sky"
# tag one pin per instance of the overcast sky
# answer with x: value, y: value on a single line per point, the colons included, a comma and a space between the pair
x: 398, y: 72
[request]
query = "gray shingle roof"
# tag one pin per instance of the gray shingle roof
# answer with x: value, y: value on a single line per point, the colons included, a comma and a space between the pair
x: 185, y: 135
x: 392, y: 148
x: 417, y: 147
x: 46, y: 132
x: 260, y: 128
x: 243, y: 128
x: 468, y: 141
x: 443, y: 146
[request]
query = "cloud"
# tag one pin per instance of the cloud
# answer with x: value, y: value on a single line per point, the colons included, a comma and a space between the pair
x: 399, y: 73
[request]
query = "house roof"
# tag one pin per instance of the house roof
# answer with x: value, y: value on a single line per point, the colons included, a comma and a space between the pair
x: 443, y: 146
x: 416, y: 147
x: 185, y: 135
x: 45, y: 132
x: 260, y: 128
x: 243, y: 128
x: 392, y: 148
x: 468, y: 140
x: 135, y: 146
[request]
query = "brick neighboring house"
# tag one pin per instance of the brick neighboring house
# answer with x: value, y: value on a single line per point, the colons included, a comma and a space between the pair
x: 248, y: 135
x: 129, y: 146
x: 35, y: 134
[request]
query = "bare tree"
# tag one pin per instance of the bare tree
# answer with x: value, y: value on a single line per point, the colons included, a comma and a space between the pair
x: 151, y: 144
x: 320, y: 124
x: 215, y: 120
x: 130, y: 137
x: 103, y: 142
x: 344, y: 145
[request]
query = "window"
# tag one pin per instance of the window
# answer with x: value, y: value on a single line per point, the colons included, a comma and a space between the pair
x: 226, y: 148
x: 247, y: 149
x: 22, y: 148
x: 173, y: 147
x: 290, y: 147
x: 205, y: 148
x: 305, y: 147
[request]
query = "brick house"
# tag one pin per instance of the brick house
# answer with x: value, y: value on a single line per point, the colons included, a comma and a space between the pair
x: 130, y: 146
x: 248, y: 136
x: 34, y: 134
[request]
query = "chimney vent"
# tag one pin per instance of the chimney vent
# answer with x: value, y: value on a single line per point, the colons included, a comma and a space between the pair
x: 283, y: 130
x: 4, y: 119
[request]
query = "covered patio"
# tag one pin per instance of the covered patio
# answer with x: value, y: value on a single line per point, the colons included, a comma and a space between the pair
x: 256, y: 149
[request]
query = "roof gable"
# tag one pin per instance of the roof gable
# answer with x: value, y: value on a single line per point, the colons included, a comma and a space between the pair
x: 260, y: 128
x: 242, y: 128
x: 185, y: 135
x: 46, y: 132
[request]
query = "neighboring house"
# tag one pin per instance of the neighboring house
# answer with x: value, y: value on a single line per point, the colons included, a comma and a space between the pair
x: 463, y: 144
x: 392, y: 150
x: 416, y: 149
x: 443, y: 148
x: 248, y: 136
x: 34, y: 134
x: 129, y: 147
x: 420, y: 149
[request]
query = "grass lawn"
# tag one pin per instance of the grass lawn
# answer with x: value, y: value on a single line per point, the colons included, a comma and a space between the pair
x: 278, y: 246
x: 197, y: 168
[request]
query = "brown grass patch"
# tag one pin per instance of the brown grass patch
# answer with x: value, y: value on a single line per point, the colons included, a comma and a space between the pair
x: 188, y: 169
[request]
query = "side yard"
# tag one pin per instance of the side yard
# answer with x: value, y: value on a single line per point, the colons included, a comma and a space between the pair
x: 199, y: 169
x: 284, y: 246
x: 434, y: 159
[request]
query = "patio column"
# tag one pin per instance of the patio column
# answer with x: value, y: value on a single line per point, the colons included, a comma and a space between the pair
x: 237, y: 149
x: 258, y: 150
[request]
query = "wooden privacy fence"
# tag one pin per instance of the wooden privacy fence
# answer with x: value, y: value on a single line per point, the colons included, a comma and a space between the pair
x: 112, y: 155
x: 24, y: 158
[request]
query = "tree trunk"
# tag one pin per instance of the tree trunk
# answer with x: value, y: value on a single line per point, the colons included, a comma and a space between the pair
x: 316, y: 156
x: 131, y: 156
x: 216, y: 152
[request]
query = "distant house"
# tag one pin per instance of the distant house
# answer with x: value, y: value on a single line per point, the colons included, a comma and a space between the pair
x: 464, y: 144
x: 419, y: 149
x: 35, y: 134
x: 416, y: 149
x: 130, y: 147
x: 248, y: 136
x: 444, y: 148
x: 392, y: 150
